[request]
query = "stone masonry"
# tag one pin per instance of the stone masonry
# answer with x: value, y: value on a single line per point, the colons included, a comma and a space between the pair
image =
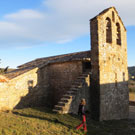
x: 109, y: 79
x: 12, y: 92
x: 71, y: 99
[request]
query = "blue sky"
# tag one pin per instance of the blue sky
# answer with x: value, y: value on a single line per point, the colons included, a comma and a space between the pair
x: 39, y: 28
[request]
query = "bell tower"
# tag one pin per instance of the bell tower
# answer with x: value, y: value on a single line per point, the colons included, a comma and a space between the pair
x: 109, y: 78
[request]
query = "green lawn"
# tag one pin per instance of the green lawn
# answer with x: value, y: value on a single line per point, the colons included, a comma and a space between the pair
x: 42, y: 121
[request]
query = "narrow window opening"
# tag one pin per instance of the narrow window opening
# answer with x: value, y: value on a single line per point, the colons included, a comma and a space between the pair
x: 123, y: 77
x: 30, y: 84
x: 113, y: 16
x: 118, y: 32
x: 108, y: 30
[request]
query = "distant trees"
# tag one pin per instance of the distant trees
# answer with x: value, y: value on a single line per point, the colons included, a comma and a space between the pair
x: 131, y: 71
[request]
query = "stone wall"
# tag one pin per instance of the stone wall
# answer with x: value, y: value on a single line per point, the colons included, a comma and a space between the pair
x: 94, y: 78
x: 24, y: 91
x: 109, y: 66
x: 61, y: 77
x: 40, y: 86
x: 38, y: 94
x: 14, y: 90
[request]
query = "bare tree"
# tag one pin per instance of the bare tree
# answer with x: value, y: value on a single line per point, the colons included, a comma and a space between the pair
x: 3, y: 70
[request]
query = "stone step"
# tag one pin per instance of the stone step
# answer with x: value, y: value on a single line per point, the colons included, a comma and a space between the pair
x: 81, y: 77
x: 87, y: 71
x: 86, y: 74
x: 64, y: 100
x: 57, y: 111
x: 75, y: 90
x: 67, y: 96
x: 58, y: 107
x: 72, y: 92
x: 78, y: 83
x: 76, y: 86
x: 61, y: 103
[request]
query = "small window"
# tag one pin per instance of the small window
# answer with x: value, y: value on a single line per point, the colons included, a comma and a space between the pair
x: 113, y: 16
x: 108, y: 30
x: 118, y: 34
x: 123, y: 77
x: 30, y: 84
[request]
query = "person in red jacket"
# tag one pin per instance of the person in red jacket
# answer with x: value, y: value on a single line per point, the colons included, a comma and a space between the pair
x: 81, y: 111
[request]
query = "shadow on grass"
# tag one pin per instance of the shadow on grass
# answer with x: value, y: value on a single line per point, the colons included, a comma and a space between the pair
x: 52, y: 120
x: 113, y: 127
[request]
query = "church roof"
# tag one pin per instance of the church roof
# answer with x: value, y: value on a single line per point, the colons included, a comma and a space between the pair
x: 41, y: 62
x: 55, y: 59
x: 17, y: 72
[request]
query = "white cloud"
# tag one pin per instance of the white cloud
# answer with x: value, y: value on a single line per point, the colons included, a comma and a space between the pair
x: 25, y: 14
x: 63, y: 21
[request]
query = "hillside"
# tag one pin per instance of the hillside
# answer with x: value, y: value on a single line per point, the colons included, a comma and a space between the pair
x: 131, y: 71
x: 8, y: 70
x: 42, y: 121
x: 131, y: 82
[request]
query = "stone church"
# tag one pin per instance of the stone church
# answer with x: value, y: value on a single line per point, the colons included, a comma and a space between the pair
x: 99, y: 75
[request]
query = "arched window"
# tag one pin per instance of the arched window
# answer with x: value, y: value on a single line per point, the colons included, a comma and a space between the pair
x: 118, y: 32
x: 108, y: 30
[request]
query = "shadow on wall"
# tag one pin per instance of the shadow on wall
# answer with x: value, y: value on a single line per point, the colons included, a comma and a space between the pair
x: 109, y: 101
x: 52, y: 83
x: 82, y: 92
x: 36, y: 95
x: 105, y: 102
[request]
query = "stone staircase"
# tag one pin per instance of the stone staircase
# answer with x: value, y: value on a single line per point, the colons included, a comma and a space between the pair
x: 64, y: 104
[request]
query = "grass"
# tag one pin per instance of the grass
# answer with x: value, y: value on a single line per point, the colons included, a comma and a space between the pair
x: 42, y: 121
x: 131, y: 85
x: 131, y: 96
x: 37, y: 121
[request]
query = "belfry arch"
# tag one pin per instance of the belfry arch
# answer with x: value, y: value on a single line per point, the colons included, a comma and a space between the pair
x: 108, y: 30
x: 118, y: 32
